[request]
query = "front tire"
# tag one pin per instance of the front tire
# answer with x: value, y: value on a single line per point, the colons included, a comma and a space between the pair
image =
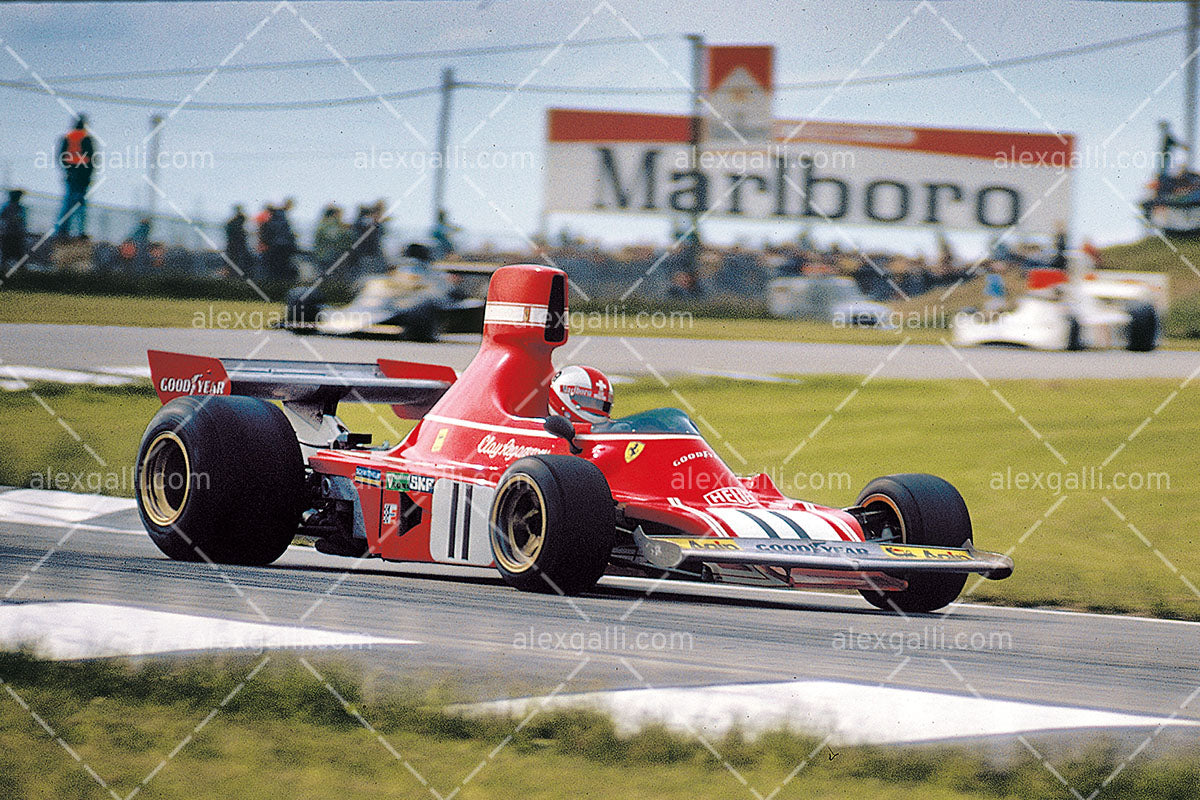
x: 928, y: 511
x: 1143, y: 328
x: 220, y: 479
x: 552, y: 524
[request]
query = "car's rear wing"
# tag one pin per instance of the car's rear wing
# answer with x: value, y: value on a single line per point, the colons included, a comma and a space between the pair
x: 310, y: 388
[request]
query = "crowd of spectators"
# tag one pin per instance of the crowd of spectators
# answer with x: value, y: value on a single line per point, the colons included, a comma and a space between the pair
x: 267, y: 248
x: 718, y: 273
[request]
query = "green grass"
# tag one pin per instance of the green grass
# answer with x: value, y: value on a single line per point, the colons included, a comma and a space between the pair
x: 282, y: 731
x: 53, y: 308
x: 1072, y: 548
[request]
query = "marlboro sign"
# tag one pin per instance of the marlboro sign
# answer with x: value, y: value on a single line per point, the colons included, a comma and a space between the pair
x: 752, y: 166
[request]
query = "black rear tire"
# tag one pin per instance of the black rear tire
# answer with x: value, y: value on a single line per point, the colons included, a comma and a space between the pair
x: 1074, y: 335
x: 220, y: 479
x: 1143, y: 327
x: 424, y: 323
x: 931, y: 512
x: 301, y: 308
x: 553, y: 523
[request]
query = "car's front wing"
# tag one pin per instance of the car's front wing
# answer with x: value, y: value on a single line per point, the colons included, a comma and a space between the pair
x: 670, y: 552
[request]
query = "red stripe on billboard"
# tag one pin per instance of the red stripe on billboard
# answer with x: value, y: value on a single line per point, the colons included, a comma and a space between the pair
x: 943, y: 141
x: 573, y: 125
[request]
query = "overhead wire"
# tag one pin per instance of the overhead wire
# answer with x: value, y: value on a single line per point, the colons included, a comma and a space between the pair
x: 334, y: 102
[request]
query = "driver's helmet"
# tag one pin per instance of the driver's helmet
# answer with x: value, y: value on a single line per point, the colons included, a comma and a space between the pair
x: 581, y: 394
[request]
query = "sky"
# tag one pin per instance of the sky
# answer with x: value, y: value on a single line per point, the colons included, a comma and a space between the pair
x: 325, y: 154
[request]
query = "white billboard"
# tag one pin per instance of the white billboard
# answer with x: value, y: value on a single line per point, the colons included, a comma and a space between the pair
x: 841, y: 173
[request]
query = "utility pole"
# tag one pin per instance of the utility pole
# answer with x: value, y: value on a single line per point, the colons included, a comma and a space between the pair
x: 1189, y: 90
x: 156, y: 122
x: 443, y: 145
x: 697, y: 128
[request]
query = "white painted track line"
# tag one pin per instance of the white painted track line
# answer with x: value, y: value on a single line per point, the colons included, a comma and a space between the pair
x: 847, y: 712
x: 71, y: 630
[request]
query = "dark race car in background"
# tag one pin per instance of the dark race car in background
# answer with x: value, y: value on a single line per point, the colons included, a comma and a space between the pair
x: 417, y: 300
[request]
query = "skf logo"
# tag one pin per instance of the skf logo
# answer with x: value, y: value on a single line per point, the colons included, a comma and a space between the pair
x: 420, y: 483
x: 439, y: 440
x: 633, y: 450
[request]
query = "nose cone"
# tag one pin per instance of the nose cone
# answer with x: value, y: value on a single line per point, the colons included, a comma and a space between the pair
x: 527, y: 305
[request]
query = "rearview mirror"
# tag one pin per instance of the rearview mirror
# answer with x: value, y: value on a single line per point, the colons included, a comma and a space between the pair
x: 562, y: 428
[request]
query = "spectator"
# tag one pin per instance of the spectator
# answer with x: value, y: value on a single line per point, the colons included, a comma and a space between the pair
x: 136, y: 249
x: 684, y: 286
x: 278, y: 241
x: 13, y: 229
x: 442, y: 234
x: 76, y: 156
x: 994, y: 290
x: 368, y: 240
x: 237, y: 249
x: 421, y: 258
x: 332, y: 239
x: 1060, y: 247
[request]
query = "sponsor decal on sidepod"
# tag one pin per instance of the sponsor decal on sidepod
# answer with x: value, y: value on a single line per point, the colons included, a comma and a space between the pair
x: 368, y: 476
x: 729, y: 496
x: 404, y: 482
x: 490, y: 447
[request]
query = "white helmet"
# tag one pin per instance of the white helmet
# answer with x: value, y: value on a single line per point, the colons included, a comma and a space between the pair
x: 581, y: 394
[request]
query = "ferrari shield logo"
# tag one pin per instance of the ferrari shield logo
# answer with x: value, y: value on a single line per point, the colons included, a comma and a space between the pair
x: 633, y: 450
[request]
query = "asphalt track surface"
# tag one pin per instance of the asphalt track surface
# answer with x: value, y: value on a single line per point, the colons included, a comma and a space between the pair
x: 470, y: 627
x: 95, y: 347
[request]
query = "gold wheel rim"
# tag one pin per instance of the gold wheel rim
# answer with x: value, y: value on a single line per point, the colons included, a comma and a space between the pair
x: 165, y: 480
x: 518, y: 524
x: 890, y: 503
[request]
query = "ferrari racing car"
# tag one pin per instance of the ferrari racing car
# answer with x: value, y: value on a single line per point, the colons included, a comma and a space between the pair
x: 513, y: 466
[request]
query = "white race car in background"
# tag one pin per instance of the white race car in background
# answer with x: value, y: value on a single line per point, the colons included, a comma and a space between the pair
x: 1076, y: 309
x: 834, y: 299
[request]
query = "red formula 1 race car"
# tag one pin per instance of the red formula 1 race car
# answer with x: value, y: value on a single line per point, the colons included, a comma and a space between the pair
x: 490, y: 476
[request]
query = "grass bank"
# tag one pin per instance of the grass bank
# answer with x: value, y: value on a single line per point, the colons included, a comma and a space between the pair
x: 234, y: 727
